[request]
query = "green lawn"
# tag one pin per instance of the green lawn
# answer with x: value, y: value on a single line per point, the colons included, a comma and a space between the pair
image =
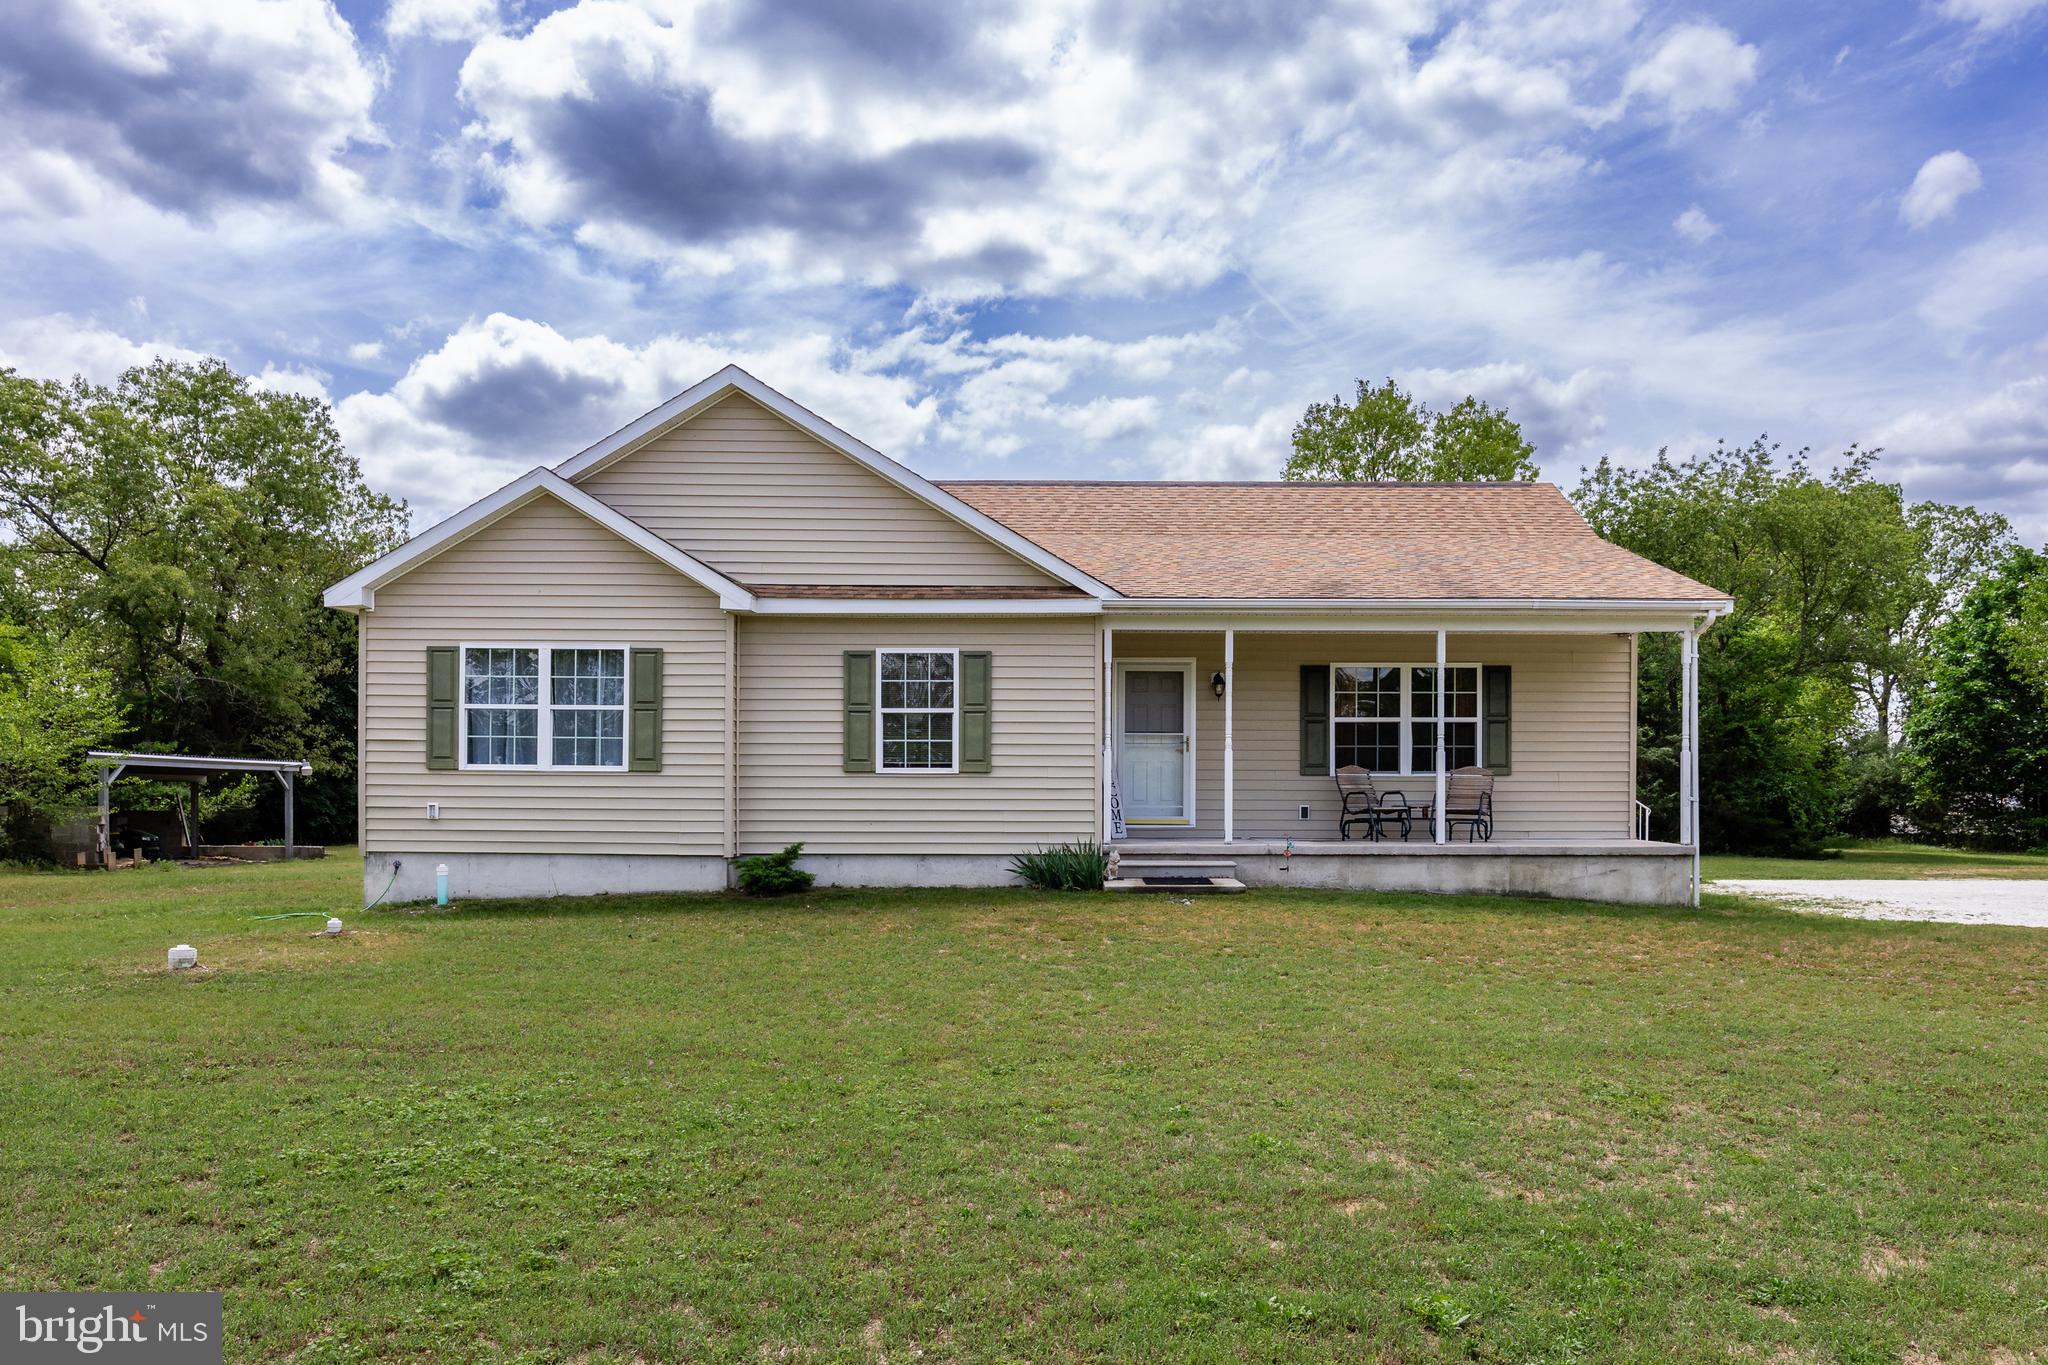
x: 1001, y: 1125
x: 1879, y: 858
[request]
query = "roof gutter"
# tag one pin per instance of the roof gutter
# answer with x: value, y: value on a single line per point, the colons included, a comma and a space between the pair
x: 1710, y: 607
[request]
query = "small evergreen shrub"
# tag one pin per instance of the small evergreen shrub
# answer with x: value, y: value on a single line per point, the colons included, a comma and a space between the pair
x: 1066, y: 867
x: 773, y: 874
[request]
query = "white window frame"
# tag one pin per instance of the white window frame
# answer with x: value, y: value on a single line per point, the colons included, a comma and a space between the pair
x: 544, y: 751
x: 880, y: 710
x: 1408, y: 719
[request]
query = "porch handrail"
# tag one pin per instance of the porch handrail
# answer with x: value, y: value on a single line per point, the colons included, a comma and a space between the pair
x: 1643, y: 820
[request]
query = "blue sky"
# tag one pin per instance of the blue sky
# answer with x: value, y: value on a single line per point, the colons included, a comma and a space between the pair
x: 1064, y: 238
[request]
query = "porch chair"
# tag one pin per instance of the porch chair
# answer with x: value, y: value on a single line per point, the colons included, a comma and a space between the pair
x: 1468, y: 801
x: 1364, y: 804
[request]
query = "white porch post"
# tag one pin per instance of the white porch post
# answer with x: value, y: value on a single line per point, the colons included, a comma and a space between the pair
x: 1688, y: 717
x: 1692, y: 749
x: 1108, y: 719
x: 1229, y: 757
x: 1442, y: 656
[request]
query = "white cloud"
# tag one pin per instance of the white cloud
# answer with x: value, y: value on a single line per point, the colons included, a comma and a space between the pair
x: 1698, y: 68
x: 1559, y: 416
x: 1989, y: 15
x: 2002, y: 275
x: 288, y: 379
x: 58, y: 346
x: 364, y: 352
x: 443, y: 20
x: 1059, y: 148
x: 190, y: 108
x: 1229, y: 450
x: 1695, y: 226
x: 1991, y: 450
x: 1942, y: 181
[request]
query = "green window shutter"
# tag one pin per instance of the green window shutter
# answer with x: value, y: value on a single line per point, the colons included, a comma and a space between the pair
x: 444, y: 710
x: 1497, y: 706
x: 1315, y: 720
x: 857, y: 667
x: 974, y: 712
x: 643, y: 722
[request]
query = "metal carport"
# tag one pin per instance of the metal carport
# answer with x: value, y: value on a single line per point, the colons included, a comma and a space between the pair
x: 189, y: 768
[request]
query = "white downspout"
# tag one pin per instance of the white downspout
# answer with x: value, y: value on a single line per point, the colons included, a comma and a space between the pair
x: 1442, y: 778
x: 1229, y: 757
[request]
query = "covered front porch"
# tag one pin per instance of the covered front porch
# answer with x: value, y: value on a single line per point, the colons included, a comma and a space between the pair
x: 1221, y: 737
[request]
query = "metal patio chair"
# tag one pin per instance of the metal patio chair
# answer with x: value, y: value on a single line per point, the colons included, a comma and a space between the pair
x: 1364, y: 804
x: 1468, y: 801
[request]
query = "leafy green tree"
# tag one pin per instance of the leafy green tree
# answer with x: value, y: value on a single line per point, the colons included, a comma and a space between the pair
x: 1808, y: 559
x: 182, y: 523
x: 1952, y: 548
x: 1385, y: 434
x: 55, y: 704
x: 1979, y: 737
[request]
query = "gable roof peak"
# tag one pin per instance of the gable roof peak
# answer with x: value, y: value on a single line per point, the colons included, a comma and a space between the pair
x: 732, y: 379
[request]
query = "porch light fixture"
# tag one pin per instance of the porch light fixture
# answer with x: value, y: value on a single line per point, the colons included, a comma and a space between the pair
x: 1216, y: 685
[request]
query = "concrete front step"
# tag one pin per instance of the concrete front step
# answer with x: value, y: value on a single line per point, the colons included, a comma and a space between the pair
x: 1154, y: 862
x: 1210, y: 886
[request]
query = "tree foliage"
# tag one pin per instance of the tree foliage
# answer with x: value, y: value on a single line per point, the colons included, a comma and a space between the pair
x: 55, y: 703
x: 182, y: 523
x: 1812, y: 560
x: 1385, y: 434
x: 1979, y: 737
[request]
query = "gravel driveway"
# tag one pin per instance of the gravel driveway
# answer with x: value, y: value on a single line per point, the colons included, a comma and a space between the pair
x: 1961, y: 900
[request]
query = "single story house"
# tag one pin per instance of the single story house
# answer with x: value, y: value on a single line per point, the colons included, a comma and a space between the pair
x: 731, y: 626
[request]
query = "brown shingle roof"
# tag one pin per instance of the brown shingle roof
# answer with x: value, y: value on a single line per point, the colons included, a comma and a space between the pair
x: 1327, y: 540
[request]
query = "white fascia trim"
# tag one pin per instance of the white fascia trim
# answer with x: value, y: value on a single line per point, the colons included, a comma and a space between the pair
x: 883, y: 606
x: 1718, y: 605
x: 733, y: 379
x: 356, y: 592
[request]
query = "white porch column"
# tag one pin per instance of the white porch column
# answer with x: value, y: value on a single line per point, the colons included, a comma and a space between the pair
x: 1442, y: 658
x: 1108, y: 719
x: 1229, y: 756
x: 1688, y: 718
x: 1692, y: 752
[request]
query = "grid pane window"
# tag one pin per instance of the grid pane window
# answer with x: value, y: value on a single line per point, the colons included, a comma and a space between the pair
x: 588, y: 677
x: 919, y: 701
x: 502, y: 690
x: 587, y: 692
x: 1461, y: 705
x: 578, y: 720
x: 1367, y: 717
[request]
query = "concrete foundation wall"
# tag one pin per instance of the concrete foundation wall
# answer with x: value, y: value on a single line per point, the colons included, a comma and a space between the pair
x: 1630, y: 879
x: 501, y: 876
x: 910, y: 869
x: 505, y: 876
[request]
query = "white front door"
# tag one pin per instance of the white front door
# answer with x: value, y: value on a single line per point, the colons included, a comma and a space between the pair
x: 1155, y: 744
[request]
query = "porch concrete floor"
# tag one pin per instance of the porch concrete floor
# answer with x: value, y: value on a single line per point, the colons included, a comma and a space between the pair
x: 1270, y: 845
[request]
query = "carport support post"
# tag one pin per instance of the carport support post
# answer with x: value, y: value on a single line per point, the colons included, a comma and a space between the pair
x: 286, y: 778
x: 105, y: 831
x: 1229, y: 756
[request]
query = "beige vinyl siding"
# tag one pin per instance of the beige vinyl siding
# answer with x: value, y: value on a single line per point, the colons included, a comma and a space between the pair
x: 1574, y: 735
x: 763, y: 502
x: 1045, y: 740
x: 544, y: 575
